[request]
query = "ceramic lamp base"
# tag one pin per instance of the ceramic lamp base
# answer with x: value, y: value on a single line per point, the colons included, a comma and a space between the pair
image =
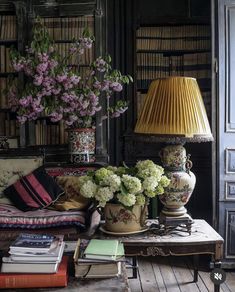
x: 182, y: 181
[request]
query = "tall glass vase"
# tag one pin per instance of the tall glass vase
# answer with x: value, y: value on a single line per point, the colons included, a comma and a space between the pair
x: 82, y: 145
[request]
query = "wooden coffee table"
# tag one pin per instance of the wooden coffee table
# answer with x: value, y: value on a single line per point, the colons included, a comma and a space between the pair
x: 202, y: 240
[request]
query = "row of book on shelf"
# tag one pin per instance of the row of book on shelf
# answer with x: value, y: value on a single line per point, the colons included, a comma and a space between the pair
x: 63, y: 51
x: 8, y: 27
x: 59, y: 28
x: 8, y: 125
x: 68, y: 28
x: 152, y: 66
x: 147, y: 59
x: 5, y: 63
x: 39, y: 260
x: 177, y: 31
x: 182, y: 37
x: 189, y: 43
x: 41, y: 134
x: 49, y: 133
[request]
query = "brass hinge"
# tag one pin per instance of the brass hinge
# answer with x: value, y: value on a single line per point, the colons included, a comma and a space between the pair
x: 215, y: 65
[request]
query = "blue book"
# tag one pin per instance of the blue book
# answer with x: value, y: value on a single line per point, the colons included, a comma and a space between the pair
x: 33, y: 242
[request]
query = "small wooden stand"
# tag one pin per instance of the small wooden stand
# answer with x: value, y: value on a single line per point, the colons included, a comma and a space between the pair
x: 183, y: 223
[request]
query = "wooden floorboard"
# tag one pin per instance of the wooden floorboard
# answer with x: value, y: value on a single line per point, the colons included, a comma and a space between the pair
x: 175, y: 274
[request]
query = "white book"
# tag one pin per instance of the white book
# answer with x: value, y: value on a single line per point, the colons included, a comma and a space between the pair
x: 50, y: 257
x: 30, y: 268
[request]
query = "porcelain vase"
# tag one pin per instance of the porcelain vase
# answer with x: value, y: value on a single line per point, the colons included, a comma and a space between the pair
x: 182, y: 181
x: 82, y: 145
x: 119, y: 219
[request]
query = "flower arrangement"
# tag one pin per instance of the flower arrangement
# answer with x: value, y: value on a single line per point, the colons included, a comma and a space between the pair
x: 124, y: 185
x: 56, y: 90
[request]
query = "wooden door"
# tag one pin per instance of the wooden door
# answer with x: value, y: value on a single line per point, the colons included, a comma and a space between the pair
x: 226, y: 126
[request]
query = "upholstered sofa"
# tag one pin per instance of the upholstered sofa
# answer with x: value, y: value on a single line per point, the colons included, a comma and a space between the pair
x: 70, y: 214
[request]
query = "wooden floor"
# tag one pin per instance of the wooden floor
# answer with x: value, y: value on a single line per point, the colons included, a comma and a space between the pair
x: 175, y: 274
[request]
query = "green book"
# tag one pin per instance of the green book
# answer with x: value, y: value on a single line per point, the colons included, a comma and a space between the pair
x: 103, y: 249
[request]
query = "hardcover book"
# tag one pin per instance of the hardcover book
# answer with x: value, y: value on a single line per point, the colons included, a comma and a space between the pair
x: 59, y: 279
x: 98, y: 270
x: 104, y: 249
x: 35, y: 243
x: 51, y: 257
x: 30, y: 268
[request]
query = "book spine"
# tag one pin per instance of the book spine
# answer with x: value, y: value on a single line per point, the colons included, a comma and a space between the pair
x: 32, y: 281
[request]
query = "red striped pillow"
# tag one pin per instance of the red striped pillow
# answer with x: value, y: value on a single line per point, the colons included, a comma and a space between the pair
x: 36, y: 190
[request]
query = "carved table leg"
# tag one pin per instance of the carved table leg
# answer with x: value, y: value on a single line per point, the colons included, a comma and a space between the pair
x: 195, y: 267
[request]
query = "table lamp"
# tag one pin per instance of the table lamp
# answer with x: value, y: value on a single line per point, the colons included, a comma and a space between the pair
x: 174, y: 112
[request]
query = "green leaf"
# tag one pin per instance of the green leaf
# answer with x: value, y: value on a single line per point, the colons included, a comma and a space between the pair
x: 123, y: 189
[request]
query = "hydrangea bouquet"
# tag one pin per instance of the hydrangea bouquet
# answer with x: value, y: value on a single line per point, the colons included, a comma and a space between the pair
x: 56, y: 90
x: 124, y: 185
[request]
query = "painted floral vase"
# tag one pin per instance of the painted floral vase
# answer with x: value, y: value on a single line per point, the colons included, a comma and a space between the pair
x: 178, y: 193
x: 177, y: 168
x: 119, y: 219
x: 82, y: 145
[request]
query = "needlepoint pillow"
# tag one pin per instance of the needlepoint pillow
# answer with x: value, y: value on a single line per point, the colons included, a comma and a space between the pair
x: 72, y: 198
x: 37, y: 190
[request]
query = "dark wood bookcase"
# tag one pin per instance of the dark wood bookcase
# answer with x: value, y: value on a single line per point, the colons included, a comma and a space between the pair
x: 183, y: 21
x: 8, y: 38
x: 65, y: 21
x: 173, y: 50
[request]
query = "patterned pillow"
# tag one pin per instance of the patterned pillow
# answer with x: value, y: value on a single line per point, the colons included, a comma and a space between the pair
x: 72, y: 198
x: 13, y: 168
x: 11, y: 217
x: 36, y: 190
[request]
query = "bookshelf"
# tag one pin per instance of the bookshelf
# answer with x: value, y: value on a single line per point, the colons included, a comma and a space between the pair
x: 65, y: 23
x: 173, y: 50
x: 8, y: 38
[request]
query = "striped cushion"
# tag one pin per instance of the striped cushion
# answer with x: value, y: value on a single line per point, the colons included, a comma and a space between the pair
x: 36, y: 190
x: 11, y: 217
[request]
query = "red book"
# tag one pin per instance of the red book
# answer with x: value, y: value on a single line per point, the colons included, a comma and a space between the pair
x: 59, y: 279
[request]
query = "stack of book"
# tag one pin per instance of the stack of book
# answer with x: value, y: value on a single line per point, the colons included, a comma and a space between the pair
x: 35, y: 260
x: 98, y: 258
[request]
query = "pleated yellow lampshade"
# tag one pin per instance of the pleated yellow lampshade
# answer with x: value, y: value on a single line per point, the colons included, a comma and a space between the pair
x: 174, y: 106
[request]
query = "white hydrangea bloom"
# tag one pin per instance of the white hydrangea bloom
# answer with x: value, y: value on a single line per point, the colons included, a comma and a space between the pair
x: 160, y: 190
x: 113, y: 182
x: 82, y: 179
x: 127, y: 200
x: 112, y: 168
x: 104, y: 194
x: 133, y: 184
x: 148, y: 168
x: 101, y: 173
x: 150, y: 194
x: 140, y: 199
x: 164, y: 182
x: 150, y: 183
x: 88, y: 189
